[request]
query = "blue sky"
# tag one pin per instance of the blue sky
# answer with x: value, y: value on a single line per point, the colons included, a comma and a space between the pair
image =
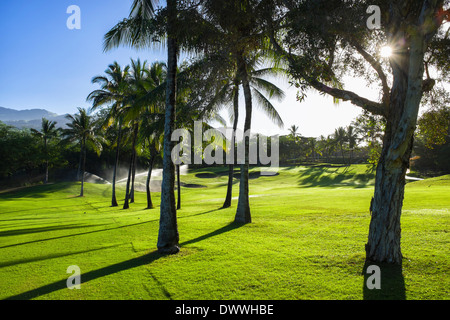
x: 46, y: 65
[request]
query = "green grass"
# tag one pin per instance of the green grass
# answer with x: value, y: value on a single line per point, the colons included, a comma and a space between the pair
x: 306, y: 240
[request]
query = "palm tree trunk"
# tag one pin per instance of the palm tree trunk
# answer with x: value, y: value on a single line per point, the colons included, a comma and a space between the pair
x: 228, y: 197
x: 130, y: 170
x: 243, y: 208
x: 136, y: 131
x: 168, y: 238
x: 126, y: 204
x: 342, y: 154
x: 133, y: 177
x: 46, y: 172
x: 83, y: 151
x: 80, y: 163
x: 178, y: 187
x: 46, y: 161
x: 147, y: 184
x: 116, y: 164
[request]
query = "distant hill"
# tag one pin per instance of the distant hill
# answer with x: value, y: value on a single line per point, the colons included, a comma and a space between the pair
x: 30, y: 118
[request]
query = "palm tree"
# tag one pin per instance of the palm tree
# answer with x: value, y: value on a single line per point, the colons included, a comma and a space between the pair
x: 135, y: 32
x: 340, y: 138
x: 82, y: 130
x: 48, y: 131
x: 151, y: 115
x: 114, y: 88
x: 152, y: 134
x: 138, y: 86
x: 352, y: 140
x: 235, y: 29
x: 260, y: 88
x: 312, y: 146
x: 293, y: 131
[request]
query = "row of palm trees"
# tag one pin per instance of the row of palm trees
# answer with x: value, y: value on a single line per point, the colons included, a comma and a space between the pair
x: 343, y: 139
x: 226, y: 38
x: 233, y: 52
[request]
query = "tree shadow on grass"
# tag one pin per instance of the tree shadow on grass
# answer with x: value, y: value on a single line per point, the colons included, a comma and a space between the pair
x: 331, y: 177
x: 50, y: 256
x: 115, y: 268
x: 22, y: 231
x: 89, y: 276
x: 231, y: 226
x: 38, y: 191
x: 391, y: 279
x: 78, y: 234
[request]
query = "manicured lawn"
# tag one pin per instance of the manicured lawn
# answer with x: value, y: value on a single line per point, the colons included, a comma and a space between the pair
x: 306, y: 240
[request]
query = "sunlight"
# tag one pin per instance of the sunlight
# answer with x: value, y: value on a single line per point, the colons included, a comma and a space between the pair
x: 386, y: 52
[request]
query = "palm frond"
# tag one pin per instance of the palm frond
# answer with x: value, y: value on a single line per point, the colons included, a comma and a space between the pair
x: 268, y: 87
x: 267, y: 107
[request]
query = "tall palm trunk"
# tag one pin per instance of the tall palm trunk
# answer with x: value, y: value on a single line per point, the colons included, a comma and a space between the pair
x: 46, y: 160
x: 342, y: 154
x: 178, y: 187
x: 126, y: 203
x: 116, y: 164
x: 243, y: 208
x: 168, y: 238
x: 384, y: 232
x: 130, y: 169
x: 80, y: 162
x: 83, y: 152
x: 228, y: 197
x: 133, y: 177
x: 147, y: 184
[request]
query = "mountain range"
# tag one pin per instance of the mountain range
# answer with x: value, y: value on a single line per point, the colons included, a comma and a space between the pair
x: 30, y: 118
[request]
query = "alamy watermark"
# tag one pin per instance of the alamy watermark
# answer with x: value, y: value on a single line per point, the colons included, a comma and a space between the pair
x: 374, y: 21
x: 192, y: 151
x: 373, y: 281
x: 74, y: 281
x: 74, y: 20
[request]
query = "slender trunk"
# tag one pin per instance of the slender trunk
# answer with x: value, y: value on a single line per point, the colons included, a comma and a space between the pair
x: 130, y: 170
x: 168, y: 238
x: 147, y: 184
x: 83, y: 151
x: 46, y: 172
x: 80, y: 162
x: 46, y: 161
x: 178, y: 187
x: 136, y: 131
x: 116, y: 164
x: 384, y: 232
x: 133, y: 176
x: 243, y: 208
x: 126, y: 204
x: 228, y: 197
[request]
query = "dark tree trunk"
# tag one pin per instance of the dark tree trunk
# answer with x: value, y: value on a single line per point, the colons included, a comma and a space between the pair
x: 46, y: 160
x: 116, y: 164
x: 126, y: 203
x: 243, y: 208
x: 229, y: 195
x: 83, y: 152
x: 147, y: 184
x: 168, y: 238
x: 130, y: 170
x: 178, y: 187
x: 133, y: 177
x: 80, y: 163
